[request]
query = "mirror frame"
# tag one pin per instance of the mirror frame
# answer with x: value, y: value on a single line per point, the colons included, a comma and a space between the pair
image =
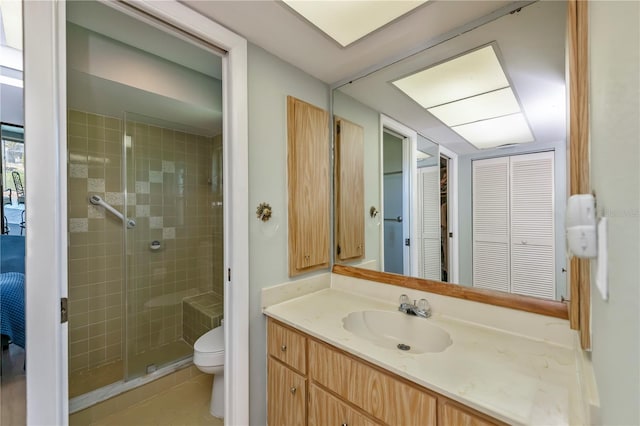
x: 576, y: 309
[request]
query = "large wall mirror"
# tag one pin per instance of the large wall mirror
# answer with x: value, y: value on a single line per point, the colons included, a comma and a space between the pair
x: 465, y: 157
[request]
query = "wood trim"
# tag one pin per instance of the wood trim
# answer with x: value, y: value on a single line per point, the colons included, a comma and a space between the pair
x: 524, y: 303
x: 580, y: 279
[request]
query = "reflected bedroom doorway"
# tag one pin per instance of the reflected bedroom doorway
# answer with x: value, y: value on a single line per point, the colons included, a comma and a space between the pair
x: 13, y: 227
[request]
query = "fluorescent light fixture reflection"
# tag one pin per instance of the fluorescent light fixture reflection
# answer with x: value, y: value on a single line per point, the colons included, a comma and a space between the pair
x: 346, y: 21
x: 462, y: 77
x: 511, y: 129
x: 481, y: 107
x: 12, y: 22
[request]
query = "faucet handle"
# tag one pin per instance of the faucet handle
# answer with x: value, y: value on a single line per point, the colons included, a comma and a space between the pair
x: 403, y: 299
x: 423, y: 305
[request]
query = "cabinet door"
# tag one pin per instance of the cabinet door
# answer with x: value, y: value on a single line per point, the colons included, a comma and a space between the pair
x: 308, y: 181
x: 325, y: 410
x: 286, y: 397
x: 349, y: 188
x: 450, y: 413
x: 384, y: 397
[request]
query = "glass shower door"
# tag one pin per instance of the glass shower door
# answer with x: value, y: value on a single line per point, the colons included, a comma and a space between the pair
x: 170, y: 251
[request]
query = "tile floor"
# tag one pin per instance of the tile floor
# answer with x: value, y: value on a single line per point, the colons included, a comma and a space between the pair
x: 13, y: 389
x: 186, y: 404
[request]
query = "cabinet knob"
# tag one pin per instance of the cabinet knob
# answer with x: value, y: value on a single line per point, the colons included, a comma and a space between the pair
x: 293, y: 390
x: 344, y: 424
x: 283, y: 348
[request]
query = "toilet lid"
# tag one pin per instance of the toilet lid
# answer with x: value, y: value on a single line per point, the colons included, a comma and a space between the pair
x: 211, y: 341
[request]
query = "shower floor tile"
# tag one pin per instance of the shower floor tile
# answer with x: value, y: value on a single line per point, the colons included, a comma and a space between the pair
x: 87, y: 380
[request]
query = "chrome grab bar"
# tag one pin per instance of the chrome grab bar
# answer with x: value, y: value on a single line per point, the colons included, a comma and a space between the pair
x: 97, y: 201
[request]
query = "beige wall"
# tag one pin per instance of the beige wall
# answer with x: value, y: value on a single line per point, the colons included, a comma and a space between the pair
x: 615, y: 178
x: 173, y: 191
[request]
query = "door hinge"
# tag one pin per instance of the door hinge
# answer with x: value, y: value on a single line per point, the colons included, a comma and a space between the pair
x: 338, y: 128
x: 229, y: 274
x: 407, y: 242
x: 338, y: 250
x: 64, y: 313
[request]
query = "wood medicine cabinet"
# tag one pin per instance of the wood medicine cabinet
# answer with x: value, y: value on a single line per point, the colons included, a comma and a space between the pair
x: 349, y: 189
x: 308, y: 183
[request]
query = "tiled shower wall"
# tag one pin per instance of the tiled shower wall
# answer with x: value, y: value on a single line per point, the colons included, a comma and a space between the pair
x: 174, y: 194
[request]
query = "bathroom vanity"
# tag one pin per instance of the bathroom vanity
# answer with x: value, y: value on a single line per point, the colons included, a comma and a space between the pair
x: 320, y: 373
x: 311, y: 382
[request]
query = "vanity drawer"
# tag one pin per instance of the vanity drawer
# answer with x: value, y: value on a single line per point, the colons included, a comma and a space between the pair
x: 287, y: 346
x: 325, y: 409
x: 452, y: 413
x: 388, y: 399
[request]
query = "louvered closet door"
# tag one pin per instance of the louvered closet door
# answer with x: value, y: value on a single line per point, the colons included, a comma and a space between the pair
x: 429, y: 222
x: 532, y: 225
x: 491, y: 223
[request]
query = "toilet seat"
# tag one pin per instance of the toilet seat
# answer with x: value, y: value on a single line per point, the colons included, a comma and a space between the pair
x: 208, y: 350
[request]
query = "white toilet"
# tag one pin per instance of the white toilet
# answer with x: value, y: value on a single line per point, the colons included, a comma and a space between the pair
x: 208, y: 356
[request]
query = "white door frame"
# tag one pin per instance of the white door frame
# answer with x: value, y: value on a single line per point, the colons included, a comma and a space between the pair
x: 46, y: 196
x: 452, y: 208
x: 410, y: 208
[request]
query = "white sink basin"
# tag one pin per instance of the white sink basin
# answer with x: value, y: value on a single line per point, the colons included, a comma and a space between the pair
x: 397, y: 330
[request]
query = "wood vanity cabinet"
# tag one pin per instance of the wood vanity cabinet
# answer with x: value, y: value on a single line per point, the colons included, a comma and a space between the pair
x: 308, y: 152
x: 312, y: 383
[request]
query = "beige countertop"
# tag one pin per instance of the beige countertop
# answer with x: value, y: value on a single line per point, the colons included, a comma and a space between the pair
x: 514, y: 378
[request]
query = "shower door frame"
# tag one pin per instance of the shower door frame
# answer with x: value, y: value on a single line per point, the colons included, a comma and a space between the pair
x: 46, y: 263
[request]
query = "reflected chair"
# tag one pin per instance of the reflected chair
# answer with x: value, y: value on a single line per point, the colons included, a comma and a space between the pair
x: 23, y: 222
x: 17, y: 181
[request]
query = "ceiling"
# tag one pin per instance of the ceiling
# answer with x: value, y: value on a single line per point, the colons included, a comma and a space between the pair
x: 276, y: 28
x: 533, y: 59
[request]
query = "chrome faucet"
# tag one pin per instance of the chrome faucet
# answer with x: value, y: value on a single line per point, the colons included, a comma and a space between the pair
x: 419, y: 309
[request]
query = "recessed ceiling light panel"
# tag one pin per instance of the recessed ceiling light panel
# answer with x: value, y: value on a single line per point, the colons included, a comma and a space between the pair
x: 346, y: 21
x: 469, y: 75
x: 511, y: 129
x: 489, y: 105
